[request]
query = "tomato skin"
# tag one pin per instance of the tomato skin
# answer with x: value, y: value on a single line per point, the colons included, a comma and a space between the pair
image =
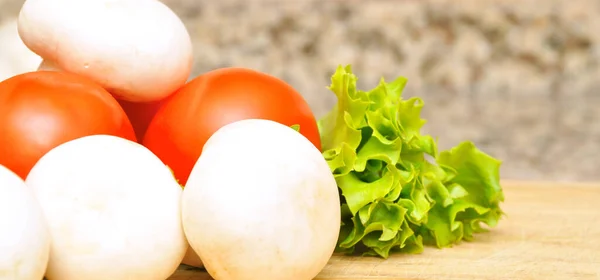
x: 140, y: 114
x: 189, y: 117
x: 43, y: 109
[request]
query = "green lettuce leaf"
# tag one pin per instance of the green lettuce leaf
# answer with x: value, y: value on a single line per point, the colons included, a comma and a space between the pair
x: 397, y: 191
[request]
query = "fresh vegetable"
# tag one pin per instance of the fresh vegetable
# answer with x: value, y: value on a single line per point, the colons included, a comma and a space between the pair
x: 188, y: 118
x: 398, y: 192
x: 261, y: 203
x: 138, y: 50
x: 270, y: 192
x: 40, y: 110
x: 113, y: 209
x: 24, y: 236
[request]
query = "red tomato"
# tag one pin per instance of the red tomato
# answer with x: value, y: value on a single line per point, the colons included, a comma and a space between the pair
x: 191, y: 115
x: 140, y: 115
x: 41, y: 110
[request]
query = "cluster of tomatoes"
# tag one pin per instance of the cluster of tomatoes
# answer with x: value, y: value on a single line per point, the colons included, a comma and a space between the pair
x: 42, y: 109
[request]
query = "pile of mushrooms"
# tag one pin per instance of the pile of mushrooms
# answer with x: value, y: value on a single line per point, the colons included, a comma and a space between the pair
x: 140, y: 51
x: 264, y: 207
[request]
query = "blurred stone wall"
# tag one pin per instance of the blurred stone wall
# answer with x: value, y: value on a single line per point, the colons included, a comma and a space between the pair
x: 519, y: 78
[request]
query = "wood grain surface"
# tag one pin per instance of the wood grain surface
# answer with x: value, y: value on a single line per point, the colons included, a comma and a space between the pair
x: 552, y: 231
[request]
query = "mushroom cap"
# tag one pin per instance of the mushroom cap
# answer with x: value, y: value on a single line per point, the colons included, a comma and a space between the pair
x: 24, y: 236
x: 113, y: 209
x: 261, y: 203
x: 139, y: 50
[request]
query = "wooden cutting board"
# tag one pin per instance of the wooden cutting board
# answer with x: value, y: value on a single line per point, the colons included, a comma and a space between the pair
x: 552, y: 231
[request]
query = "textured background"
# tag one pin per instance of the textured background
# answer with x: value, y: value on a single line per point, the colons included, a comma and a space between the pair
x: 519, y: 78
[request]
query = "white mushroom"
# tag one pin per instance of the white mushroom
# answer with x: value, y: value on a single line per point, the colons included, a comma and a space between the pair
x: 24, y: 236
x: 113, y: 209
x: 261, y: 203
x: 140, y: 51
